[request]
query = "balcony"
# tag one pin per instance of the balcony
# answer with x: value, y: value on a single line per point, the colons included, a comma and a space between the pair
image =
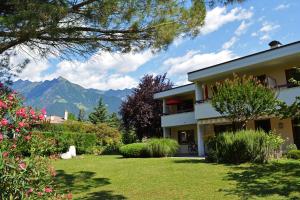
x: 178, y: 119
x: 204, y: 109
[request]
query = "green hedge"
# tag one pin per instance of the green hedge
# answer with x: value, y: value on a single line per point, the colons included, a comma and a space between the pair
x: 243, y: 146
x: 294, y: 154
x: 150, y: 148
x: 134, y: 150
x: 87, y: 138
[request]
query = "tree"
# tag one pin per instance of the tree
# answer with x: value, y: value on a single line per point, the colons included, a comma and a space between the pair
x: 140, y: 111
x: 114, y: 121
x: 86, y: 25
x: 81, y: 115
x: 100, y: 114
x: 242, y: 99
x: 71, y: 116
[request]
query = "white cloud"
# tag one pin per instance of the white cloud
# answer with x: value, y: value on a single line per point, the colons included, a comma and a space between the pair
x: 242, y: 28
x: 101, y: 71
x: 230, y: 42
x: 194, y: 60
x: 219, y: 16
x: 264, y: 33
x: 282, y: 7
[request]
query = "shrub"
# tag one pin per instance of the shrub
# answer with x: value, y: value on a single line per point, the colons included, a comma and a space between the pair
x: 294, y: 154
x: 21, y: 178
x: 150, y: 148
x: 134, y: 150
x: 162, y: 147
x: 291, y: 147
x: 243, y: 146
x: 108, y: 138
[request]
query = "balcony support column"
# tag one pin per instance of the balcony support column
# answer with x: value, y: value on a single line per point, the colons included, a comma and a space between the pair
x: 198, y: 91
x: 165, y: 108
x: 166, y: 132
x: 200, y: 134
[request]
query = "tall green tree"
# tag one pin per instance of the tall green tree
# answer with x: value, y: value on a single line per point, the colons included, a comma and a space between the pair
x: 140, y: 111
x: 81, y: 115
x: 71, y: 116
x: 100, y: 113
x: 114, y: 121
x: 243, y: 98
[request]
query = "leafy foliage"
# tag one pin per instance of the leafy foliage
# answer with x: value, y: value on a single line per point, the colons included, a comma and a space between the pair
x: 294, y: 154
x: 140, y: 111
x: 162, y: 147
x: 71, y: 116
x: 243, y: 98
x: 150, y: 148
x: 85, y: 26
x: 100, y: 114
x: 243, y: 146
x: 21, y: 177
x: 81, y: 115
x: 134, y: 150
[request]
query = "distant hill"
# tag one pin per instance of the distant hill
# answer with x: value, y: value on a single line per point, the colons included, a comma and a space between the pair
x: 60, y: 94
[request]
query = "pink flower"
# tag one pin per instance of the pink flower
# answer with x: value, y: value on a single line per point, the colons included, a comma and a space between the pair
x: 4, y: 122
x: 69, y: 196
x: 41, y: 117
x: 10, y: 97
x: 44, y: 112
x: 13, y: 146
x: 29, y: 191
x: 21, y: 124
x: 21, y: 112
x: 48, y: 190
x: 32, y: 112
x: 17, y: 130
x: 1, y: 137
x: 5, y: 154
x: 22, y: 166
x: 27, y: 138
x: 2, y: 104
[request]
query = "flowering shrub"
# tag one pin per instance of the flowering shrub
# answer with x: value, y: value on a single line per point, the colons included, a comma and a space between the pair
x: 21, y: 178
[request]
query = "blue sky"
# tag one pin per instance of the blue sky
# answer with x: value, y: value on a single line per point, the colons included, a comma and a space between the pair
x: 229, y: 32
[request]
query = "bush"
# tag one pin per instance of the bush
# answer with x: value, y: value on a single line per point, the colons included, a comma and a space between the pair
x: 108, y: 139
x: 243, y: 146
x: 150, y: 148
x: 294, y: 154
x: 162, y: 147
x: 134, y: 150
x: 291, y: 147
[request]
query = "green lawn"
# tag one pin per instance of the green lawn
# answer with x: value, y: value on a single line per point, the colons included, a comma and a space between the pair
x: 113, y: 177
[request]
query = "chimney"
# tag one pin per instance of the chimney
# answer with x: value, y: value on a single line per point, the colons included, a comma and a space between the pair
x: 274, y: 44
x: 66, y: 115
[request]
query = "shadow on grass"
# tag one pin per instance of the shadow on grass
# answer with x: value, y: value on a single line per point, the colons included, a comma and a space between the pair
x: 83, y: 181
x: 190, y: 160
x: 277, y: 178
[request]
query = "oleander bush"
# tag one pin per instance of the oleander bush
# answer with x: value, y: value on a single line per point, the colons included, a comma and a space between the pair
x: 150, y: 148
x: 294, y: 154
x: 243, y: 146
x: 21, y: 177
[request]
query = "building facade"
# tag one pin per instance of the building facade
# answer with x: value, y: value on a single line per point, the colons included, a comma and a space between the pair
x: 190, y: 118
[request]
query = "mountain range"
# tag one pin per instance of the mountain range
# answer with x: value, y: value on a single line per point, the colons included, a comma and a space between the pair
x: 59, y: 94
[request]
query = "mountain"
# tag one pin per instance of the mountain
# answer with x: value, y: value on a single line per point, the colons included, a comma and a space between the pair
x: 59, y: 94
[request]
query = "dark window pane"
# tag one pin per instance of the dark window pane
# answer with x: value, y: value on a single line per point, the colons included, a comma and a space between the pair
x: 186, y: 137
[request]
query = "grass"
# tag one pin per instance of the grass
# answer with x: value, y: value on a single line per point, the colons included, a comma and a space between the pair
x: 113, y: 177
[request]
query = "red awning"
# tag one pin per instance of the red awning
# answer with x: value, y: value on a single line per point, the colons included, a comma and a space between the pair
x: 173, y: 101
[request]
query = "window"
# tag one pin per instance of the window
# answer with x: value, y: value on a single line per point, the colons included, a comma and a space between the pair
x: 186, y: 137
x: 223, y: 128
x: 264, y: 125
x: 293, y: 73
